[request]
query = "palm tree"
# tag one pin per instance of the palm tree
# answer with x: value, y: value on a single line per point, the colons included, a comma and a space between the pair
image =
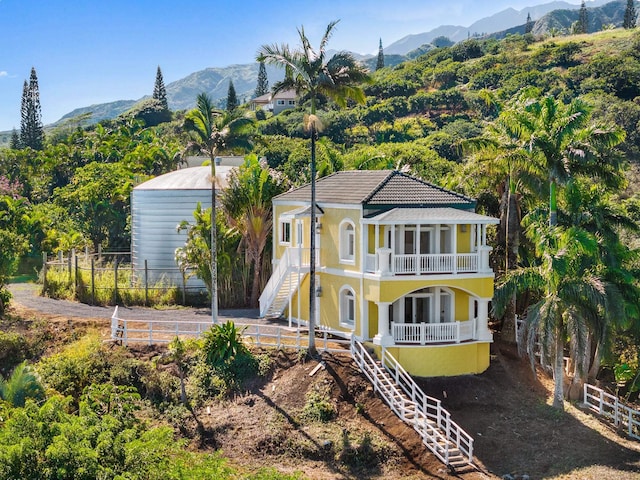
x: 571, y: 290
x: 592, y: 208
x: 22, y: 384
x: 213, y: 131
x: 564, y: 144
x: 307, y: 71
x: 503, y: 154
x: 247, y: 204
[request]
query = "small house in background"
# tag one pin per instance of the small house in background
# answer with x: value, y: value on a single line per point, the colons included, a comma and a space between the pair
x: 275, y: 103
x: 401, y: 263
x: 159, y: 205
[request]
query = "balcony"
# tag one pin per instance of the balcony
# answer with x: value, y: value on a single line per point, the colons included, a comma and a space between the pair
x: 430, y: 333
x: 385, y: 263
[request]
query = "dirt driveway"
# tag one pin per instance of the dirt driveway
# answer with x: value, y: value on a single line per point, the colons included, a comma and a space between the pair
x: 26, y: 294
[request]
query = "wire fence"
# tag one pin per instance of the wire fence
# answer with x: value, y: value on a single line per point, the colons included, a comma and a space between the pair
x: 110, y: 278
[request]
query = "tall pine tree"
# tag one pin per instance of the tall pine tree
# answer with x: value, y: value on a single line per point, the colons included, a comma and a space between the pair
x: 583, y: 20
x: 159, y: 92
x: 380, y: 62
x: 14, y: 141
x: 31, y: 129
x: 630, y: 15
x: 528, y: 27
x: 232, y: 99
x: 262, y: 87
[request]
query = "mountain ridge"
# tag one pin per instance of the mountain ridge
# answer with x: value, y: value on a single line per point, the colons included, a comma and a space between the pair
x: 181, y: 94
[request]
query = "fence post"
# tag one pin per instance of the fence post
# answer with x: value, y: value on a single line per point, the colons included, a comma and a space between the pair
x: 99, y: 253
x: 75, y: 290
x: 146, y: 283
x: 71, y: 252
x: 115, y: 281
x: 184, y: 287
x: 44, y: 271
x: 93, y: 281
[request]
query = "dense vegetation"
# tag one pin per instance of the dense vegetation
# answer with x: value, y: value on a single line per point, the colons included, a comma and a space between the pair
x: 513, y: 123
x: 95, y: 411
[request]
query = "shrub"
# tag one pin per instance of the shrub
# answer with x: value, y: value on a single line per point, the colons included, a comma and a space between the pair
x: 79, y: 365
x: 222, y: 343
x: 318, y: 406
x: 13, y: 350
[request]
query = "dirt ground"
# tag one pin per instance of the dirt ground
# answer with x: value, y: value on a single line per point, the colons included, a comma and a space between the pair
x: 505, y: 409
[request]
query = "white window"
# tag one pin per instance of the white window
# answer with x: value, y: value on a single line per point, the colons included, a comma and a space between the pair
x: 285, y: 232
x: 292, y: 102
x: 280, y: 102
x: 347, y: 242
x: 347, y: 307
x: 299, y: 233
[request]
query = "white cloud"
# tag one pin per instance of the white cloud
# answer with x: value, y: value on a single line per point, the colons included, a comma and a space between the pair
x: 4, y: 73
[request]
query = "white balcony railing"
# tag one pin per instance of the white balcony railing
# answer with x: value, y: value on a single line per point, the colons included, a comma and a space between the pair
x: 386, y: 263
x: 424, y: 333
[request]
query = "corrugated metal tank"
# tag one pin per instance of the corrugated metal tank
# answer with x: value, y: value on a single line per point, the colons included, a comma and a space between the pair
x: 158, y: 206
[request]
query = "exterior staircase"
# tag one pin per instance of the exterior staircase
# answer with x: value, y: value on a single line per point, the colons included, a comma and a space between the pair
x: 285, y: 279
x: 446, y: 440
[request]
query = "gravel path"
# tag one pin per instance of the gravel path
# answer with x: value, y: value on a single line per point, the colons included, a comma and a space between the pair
x: 26, y: 294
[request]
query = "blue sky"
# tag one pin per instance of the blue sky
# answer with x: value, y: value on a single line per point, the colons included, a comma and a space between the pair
x: 88, y: 52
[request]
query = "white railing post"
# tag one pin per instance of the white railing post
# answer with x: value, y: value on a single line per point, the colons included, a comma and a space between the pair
x: 423, y: 333
x: 601, y: 402
x: 457, y: 332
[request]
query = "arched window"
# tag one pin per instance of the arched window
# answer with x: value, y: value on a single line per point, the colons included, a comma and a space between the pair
x: 347, y: 307
x: 347, y: 242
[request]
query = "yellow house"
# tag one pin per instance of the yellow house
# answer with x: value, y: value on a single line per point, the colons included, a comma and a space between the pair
x: 401, y: 263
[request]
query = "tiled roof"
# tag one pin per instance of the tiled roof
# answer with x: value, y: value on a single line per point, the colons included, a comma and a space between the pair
x: 377, y: 188
x: 348, y: 187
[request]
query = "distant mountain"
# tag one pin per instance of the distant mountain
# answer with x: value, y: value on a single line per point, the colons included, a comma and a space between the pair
x: 611, y: 13
x: 99, y: 111
x: 498, y: 22
x: 182, y: 93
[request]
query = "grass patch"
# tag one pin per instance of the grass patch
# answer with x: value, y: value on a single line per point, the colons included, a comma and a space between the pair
x: 102, y: 288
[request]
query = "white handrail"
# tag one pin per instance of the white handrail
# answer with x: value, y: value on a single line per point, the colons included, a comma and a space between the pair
x: 426, y: 415
x: 612, y: 407
x: 432, y: 407
x: 275, y: 282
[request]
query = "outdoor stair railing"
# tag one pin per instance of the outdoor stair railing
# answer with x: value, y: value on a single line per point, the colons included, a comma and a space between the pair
x: 610, y: 406
x: 450, y: 443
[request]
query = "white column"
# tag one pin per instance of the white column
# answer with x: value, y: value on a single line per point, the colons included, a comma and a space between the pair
x: 384, y: 261
x: 376, y: 267
x: 383, y: 337
x: 454, y: 246
x: 419, y: 249
x: 482, y: 327
x: 364, y: 314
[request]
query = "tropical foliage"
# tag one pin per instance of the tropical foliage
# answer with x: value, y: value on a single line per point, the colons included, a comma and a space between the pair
x: 554, y: 126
